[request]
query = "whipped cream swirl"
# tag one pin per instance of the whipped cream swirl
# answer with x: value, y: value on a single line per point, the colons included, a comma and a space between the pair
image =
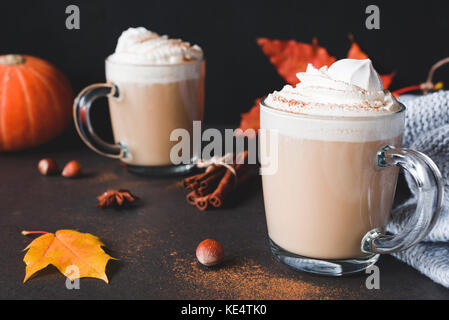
x: 348, y: 87
x: 141, y: 46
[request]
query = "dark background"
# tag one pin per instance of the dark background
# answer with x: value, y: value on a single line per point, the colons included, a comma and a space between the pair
x: 412, y: 37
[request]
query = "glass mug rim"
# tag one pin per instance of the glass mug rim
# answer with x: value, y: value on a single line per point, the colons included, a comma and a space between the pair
x: 108, y: 60
x: 331, y: 117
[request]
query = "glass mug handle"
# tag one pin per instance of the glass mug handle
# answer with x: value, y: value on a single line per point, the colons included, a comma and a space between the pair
x: 83, y: 103
x: 427, y: 177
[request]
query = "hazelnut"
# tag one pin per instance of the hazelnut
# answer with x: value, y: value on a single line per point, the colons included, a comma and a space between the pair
x: 210, y: 252
x: 72, y: 169
x: 47, y: 167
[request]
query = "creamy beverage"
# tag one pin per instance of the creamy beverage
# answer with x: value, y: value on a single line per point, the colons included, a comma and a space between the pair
x: 327, y: 195
x: 328, y: 191
x: 161, y: 88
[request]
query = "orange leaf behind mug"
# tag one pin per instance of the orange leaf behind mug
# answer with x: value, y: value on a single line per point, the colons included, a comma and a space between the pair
x: 355, y: 52
x: 290, y: 57
x: 387, y: 79
x: 251, y: 119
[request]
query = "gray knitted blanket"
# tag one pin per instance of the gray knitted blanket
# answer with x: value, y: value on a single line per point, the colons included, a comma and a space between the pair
x: 427, y: 130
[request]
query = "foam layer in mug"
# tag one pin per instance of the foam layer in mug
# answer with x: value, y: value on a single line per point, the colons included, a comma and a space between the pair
x: 144, y: 74
x: 382, y: 127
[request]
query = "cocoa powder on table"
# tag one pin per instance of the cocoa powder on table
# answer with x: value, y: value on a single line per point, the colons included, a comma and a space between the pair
x: 245, y: 280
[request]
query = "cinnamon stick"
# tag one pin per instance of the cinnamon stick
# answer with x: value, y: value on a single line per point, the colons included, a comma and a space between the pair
x: 216, y: 183
x: 202, y: 202
x: 213, y: 177
x: 191, y: 197
x: 228, y: 184
x: 209, y: 175
x: 203, y: 191
x: 209, y: 185
x: 188, y: 182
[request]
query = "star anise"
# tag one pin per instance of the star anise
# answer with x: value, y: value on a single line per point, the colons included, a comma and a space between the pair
x: 115, y: 197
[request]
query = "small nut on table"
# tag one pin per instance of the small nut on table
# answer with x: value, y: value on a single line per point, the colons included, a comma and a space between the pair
x: 210, y: 252
x: 72, y: 169
x: 47, y: 167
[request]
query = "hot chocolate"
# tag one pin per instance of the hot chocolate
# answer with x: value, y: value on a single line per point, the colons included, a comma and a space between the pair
x: 328, y: 191
x: 155, y: 85
x: 161, y: 83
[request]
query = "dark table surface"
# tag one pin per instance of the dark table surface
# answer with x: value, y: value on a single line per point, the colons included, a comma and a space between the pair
x: 155, y: 240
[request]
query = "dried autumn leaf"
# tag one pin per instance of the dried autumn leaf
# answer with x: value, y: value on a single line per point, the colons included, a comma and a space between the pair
x: 355, y: 52
x: 251, y: 119
x: 64, y: 249
x: 387, y: 79
x: 290, y: 57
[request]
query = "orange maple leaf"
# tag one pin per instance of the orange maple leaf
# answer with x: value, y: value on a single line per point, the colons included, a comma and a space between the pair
x: 387, y: 79
x: 355, y: 52
x: 65, y: 250
x: 251, y: 119
x: 290, y: 56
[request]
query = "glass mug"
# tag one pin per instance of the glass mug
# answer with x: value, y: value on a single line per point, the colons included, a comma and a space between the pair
x: 329, y: 201
x: 146, y: 103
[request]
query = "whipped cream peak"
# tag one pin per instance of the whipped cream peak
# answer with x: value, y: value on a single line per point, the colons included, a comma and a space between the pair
x: 357, y: 72
x: 348, y: 87
x: 142, y: 46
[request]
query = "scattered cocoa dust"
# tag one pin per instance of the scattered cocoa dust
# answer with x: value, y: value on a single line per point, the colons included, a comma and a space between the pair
x: 137, y: 244
x: 106, y: 177
x: 244, y: 280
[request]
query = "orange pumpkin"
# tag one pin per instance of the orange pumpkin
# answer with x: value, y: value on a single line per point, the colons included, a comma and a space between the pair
x: 35, y: 102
